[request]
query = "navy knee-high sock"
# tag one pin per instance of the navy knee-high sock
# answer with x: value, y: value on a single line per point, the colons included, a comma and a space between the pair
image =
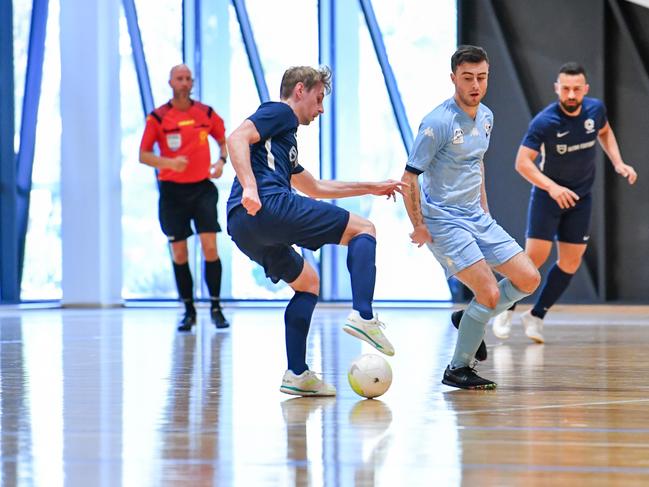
x: 361, y: 259
x: 185, y: 285
x: 555, y: 284
x: 297, y: 318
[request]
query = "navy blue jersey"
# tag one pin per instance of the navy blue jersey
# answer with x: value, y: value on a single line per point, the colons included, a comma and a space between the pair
x: 274, y: 157
x: 567, y: 144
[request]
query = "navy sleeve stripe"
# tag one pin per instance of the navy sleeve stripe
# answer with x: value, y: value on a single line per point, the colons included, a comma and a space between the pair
x: 413, y: 170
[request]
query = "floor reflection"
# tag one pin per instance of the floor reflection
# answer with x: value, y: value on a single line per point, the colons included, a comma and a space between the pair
x: 118, y: 397
x: 16, y: 441
x: 370, y: 421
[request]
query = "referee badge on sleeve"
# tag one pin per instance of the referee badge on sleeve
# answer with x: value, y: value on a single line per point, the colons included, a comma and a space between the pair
x: 174, y: 141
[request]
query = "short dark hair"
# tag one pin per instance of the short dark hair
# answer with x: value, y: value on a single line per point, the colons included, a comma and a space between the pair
x: 468, y: 54
x: 307, y: 75
x: 572, y: 68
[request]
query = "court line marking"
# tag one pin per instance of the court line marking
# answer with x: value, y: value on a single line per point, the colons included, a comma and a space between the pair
x: 549, y: 406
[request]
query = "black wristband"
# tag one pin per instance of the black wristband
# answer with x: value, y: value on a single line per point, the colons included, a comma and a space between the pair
x: 223, y: 159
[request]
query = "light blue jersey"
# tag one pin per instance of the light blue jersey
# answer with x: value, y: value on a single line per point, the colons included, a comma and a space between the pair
x: 448, y: 150
x: 448, y: 153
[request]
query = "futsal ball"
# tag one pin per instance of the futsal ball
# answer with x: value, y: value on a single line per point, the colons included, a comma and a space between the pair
x: 370, y: 375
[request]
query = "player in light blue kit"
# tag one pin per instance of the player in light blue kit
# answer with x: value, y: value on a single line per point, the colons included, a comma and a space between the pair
x: 565, y: 133
x: 449, y: 211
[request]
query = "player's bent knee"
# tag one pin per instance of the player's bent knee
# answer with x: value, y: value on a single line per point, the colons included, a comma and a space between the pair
x: 569, y: 266
x: 307, y: 282
x: 358, y: 225
x: 488, y: 297
x: 532, y: 282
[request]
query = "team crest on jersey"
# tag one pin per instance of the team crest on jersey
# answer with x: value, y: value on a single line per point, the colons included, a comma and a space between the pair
x: 589, y: 125
x: 487, y: 128
x: 562, y: 148
x: 174, y: 141
x: 458, y: 136
x: 292, y: 155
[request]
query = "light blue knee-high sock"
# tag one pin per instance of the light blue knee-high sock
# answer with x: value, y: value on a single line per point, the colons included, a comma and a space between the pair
x: 470, y: 334
x: 474, y: 320
x: 509, y: 294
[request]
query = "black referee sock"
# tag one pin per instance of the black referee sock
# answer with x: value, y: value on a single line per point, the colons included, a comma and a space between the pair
x: 185, y: 285
x: 213, y: 271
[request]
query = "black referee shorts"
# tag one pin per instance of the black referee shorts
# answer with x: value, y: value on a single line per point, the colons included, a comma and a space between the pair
x: 182, y: 203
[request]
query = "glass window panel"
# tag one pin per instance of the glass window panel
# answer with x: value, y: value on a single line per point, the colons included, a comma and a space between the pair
x: 147, y: 271
x: 272, y: 40
x: 419, y: 38
x: 22, y: 12
x: 43, y: 255
x: 382, y: 154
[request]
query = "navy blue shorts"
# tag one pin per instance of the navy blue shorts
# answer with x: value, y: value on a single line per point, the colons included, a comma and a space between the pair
x: 547, y: 221
x: 180, y: 203
x: 286, y: 219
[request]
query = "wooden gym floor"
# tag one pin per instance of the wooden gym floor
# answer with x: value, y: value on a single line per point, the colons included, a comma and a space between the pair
x: 118, y: 397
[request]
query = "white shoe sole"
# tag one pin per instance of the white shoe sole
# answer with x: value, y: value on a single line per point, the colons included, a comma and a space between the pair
x: 295, y: 391
x: 536, y: 338
x: 501, y: 336
x: 361, y: 335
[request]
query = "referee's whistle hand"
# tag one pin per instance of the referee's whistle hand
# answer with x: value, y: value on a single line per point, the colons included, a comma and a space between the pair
x: 179, y: 164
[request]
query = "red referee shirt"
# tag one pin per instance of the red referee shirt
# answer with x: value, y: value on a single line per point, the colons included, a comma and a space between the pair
x: 179, y: 132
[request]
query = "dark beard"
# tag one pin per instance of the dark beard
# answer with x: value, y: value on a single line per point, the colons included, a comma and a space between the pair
x: 570, y: 108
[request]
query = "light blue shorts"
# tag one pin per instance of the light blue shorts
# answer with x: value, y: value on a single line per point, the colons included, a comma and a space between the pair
x: 461, y: 242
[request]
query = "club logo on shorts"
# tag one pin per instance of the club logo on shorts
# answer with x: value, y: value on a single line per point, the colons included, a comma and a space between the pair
x: 174, y: 141
x: 589, y: 125
x: 458, y: 136
x: 292, y: 155
x: 562, y: 148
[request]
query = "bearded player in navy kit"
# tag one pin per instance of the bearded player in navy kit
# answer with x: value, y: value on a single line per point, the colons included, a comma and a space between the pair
x: 266, y: 218
x: 565, y: 134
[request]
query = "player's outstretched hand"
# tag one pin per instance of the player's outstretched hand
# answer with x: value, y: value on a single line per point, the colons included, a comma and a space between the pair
x: 250, y: 201
x: 389, y: 188
x: 420, y: 235
x: 564, y: 197
x: 628, y: 172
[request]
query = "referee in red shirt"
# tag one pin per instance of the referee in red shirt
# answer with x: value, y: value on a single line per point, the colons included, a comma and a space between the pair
x: 180, y: 127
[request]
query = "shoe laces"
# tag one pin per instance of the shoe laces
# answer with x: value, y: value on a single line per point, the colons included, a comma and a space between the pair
x: 376, y: 322
x: 313, y: 376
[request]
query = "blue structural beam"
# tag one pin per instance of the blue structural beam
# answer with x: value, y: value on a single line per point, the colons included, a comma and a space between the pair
x: 9, y: 283
x: 327, y: 55
x: 388, y: 75
x: 138, y: 56
x: 251, y: 49
x: 31, y: 99
x: 198, y: 48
